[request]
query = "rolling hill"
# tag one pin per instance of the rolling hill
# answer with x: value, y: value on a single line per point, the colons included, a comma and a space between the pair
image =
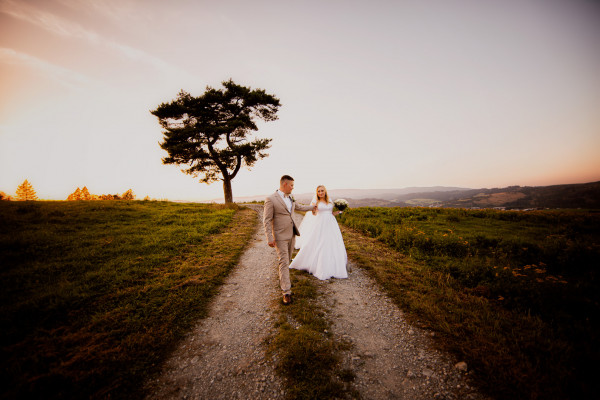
x: 582, y: 195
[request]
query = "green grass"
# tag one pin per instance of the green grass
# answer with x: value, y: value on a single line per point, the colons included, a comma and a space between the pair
x: 308, y: 357
x: 515, y: 294
x: 96, y: 294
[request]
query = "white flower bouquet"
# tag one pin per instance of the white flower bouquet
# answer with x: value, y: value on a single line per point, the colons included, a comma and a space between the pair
x: 340, y: 204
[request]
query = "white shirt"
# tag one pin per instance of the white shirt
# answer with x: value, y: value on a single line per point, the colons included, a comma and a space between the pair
x: 286, y: 199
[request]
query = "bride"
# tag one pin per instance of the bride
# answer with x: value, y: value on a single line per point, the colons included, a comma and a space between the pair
x: 322, y: 251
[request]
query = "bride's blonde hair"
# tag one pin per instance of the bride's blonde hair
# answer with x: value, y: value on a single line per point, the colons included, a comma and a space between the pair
x: 326, y: 198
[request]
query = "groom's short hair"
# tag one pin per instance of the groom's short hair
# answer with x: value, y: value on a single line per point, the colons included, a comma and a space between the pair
x: 285, y: 178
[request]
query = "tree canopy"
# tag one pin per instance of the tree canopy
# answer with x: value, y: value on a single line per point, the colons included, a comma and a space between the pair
x: 209, y: 134
x: 25, y: 192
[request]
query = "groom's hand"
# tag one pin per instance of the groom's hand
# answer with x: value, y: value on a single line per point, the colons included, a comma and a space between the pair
x: 272, y: 244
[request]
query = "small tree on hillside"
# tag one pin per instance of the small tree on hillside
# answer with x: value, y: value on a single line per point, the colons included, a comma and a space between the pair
x: 25, y: 192
x: 85, y: 194
x: 4, y: 196
x: 209, y: 133
x: 76, y: 195
x: 128, y: 195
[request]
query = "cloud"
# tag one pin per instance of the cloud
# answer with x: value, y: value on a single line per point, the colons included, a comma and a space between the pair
x: 115, y: 10
x: 45, y: 20
x: 69, y: 29
x: 63, y: 75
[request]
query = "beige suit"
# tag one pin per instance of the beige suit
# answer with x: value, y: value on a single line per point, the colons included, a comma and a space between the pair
x: 280, y: 228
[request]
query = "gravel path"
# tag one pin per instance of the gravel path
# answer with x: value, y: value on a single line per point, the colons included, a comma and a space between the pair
x: 390, y: 358
x: 224, y: 356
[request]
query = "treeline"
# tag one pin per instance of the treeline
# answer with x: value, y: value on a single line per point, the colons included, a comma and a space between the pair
x: 84, y: 194
x: 25, y: 192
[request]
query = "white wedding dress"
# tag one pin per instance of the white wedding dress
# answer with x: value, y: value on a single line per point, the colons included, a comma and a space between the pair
x: 322, y: 251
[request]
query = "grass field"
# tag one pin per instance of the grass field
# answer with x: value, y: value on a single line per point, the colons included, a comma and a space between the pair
x: 95, y: 294
x: 515, y: 294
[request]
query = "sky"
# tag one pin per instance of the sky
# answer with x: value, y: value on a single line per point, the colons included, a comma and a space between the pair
x: 375, y: 94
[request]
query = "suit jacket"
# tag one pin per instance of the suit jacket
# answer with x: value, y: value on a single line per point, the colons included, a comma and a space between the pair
x: 278, y: 221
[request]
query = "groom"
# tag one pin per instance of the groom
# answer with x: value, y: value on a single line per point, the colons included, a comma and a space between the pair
x: 281, y: 229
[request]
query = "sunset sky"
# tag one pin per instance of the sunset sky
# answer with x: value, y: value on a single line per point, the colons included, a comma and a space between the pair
x: 375, y: 94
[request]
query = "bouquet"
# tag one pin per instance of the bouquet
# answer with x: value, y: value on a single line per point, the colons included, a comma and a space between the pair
x: 340, y: 204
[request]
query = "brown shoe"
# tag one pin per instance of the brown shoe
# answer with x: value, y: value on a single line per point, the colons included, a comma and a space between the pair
x: 287, y: 299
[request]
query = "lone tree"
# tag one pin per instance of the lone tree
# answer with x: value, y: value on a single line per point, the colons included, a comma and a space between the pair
x: 25, y: 192
x: 209, y: 133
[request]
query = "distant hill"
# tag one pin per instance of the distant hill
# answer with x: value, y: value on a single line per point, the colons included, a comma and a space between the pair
x: 386, y: 197
x: 583, y: 195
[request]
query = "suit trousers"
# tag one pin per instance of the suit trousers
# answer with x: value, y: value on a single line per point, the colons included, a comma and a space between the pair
x: 285, y: 249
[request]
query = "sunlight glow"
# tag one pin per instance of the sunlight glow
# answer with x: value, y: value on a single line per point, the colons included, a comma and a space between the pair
x: 374, y: 95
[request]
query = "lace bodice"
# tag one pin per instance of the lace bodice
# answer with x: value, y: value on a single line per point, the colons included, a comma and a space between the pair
x: 325, y: 208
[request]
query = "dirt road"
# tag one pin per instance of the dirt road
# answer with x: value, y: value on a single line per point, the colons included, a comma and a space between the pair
x: 224, y: 356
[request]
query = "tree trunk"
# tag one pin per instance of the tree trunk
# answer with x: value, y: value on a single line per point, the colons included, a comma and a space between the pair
x: 227, y: 191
